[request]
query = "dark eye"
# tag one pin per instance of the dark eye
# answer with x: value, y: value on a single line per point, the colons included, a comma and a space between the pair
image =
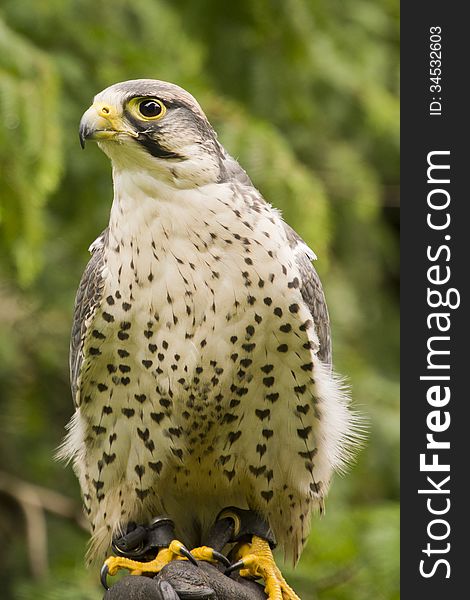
x: 151, y: 108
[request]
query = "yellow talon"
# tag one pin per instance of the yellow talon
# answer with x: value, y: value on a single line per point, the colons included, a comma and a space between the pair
x: 203, y: 553
x: 175, y: 551
x: 258, y: 561
x: 209, y: 555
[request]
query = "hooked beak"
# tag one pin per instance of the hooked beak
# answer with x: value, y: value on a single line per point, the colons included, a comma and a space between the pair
x: 102, y: 122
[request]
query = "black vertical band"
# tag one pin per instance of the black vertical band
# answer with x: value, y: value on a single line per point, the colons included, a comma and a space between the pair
x: 435, y: 400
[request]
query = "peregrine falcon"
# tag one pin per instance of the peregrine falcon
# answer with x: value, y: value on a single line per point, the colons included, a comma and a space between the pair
x: 200, y: 355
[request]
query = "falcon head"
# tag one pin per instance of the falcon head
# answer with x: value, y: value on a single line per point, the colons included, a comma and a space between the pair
x: 154, y: 125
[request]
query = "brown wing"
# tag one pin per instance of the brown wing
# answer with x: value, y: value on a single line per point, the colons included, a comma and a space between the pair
x: 312, y: 293
x: 87, y: 300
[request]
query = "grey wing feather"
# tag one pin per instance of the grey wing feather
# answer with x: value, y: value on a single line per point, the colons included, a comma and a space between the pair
x: 87, y: 300
x: 312, y: 293
x: 232, y: 171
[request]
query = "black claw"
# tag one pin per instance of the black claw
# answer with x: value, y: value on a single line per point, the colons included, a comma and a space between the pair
x: 235, y: 567
x: 187, y: 554
x: 221, y: 558
x: 104, y: 576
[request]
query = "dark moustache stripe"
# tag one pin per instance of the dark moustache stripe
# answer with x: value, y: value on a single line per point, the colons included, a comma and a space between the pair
x: 155, y: 149
x: 150, y: 144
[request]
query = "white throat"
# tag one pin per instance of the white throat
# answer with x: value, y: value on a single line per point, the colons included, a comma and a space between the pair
x: 201, y: 167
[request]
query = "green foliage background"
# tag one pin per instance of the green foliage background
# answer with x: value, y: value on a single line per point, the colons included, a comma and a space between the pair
x: 305, y: 94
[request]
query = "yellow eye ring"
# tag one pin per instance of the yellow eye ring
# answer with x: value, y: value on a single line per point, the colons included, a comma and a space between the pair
x: 149, y: 109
